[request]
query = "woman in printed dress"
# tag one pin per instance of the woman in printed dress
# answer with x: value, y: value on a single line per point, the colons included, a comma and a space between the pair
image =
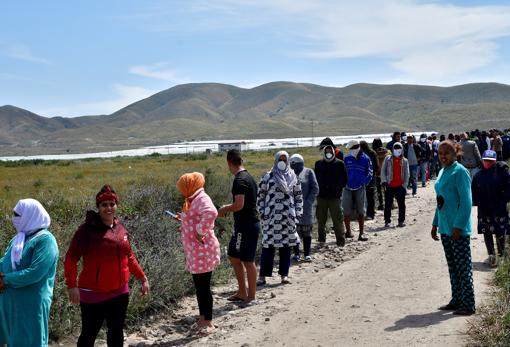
x: 280, y: 205
x: 201, y: 246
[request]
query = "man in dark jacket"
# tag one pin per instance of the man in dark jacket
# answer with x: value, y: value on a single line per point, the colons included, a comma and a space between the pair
x: 425, y: 156
x: 491, y: 193
x: 412, y: 152
x: 332, y: 178
x: 394, y: 138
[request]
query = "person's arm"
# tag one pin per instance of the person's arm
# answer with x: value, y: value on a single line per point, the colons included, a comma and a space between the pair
x: 384, y: 177
x: 343, y: 175
x: 406, y: 172
x: 506, y: 184
x: 369, y: 171
x: 298, y: 199
x: 261, y: 194
x: 237, y: 205
x: 474, y: 191
x: 478, y: 157
x: 313, y: 187
x: 44, y: 256
x: 463, y: 185
x: 73, y: 256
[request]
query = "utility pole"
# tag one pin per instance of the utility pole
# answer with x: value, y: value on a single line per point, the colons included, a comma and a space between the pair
x: 313, y: 136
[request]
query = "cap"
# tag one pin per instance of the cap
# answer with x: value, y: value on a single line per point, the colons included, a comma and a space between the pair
x: 489, y: 155
x: 352, y: 143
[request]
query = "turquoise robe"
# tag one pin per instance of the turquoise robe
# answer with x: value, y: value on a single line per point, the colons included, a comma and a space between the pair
x: 26, y: 299
x: 454, y: 185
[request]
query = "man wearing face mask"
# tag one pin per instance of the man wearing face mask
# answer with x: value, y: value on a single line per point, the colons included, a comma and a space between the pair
x: 310, y: 189
x: 359, y: 175
x: 395, y: 177
x: 412, y: 152
x: 491, y: 193
x: 332, y: 177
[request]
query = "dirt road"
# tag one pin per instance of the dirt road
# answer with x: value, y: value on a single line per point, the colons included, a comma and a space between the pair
x: 384, y: 292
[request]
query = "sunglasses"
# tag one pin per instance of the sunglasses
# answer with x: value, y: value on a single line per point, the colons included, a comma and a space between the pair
x: 107, y: 204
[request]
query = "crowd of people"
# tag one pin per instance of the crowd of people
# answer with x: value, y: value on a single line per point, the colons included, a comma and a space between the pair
x: 468, y: 168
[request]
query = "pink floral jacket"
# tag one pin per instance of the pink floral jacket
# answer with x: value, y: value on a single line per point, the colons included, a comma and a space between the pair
x: 200, y: 257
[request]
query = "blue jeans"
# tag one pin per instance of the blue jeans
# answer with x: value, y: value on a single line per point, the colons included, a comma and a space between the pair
x: 423, y: 171
x: 413, y: 177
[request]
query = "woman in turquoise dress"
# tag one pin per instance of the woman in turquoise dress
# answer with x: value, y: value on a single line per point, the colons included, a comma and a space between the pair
x: 452, y: 221
x: 27, y: 277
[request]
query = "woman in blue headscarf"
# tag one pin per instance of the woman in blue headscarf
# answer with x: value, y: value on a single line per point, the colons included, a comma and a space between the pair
x: 280, y: 205
x: 27, y: 277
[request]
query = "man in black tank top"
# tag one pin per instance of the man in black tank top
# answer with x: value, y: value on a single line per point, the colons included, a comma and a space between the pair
x: 243, y: 245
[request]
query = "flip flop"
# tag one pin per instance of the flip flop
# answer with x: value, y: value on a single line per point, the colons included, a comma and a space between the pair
x: 235, y: 298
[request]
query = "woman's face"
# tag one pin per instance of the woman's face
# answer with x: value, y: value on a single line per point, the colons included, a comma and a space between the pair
x: 283, y: 158
x: 446, y: 155
x: 107, y: 210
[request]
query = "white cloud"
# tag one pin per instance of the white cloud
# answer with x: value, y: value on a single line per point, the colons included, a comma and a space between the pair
x: 422, y: 41
x: 124, y: 95
x: 23, y: 52
x: 159, y: 71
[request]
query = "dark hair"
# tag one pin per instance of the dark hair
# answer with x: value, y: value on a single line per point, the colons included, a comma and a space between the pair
x: 377, y: 143
x: 364, y: 146
x: 234, y: 157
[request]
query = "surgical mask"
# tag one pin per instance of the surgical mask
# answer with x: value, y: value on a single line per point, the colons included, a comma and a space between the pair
x: 354, y: 152
x: 404, y: 138
x: 281, y: 165
x: 397, y: 152
x: 328, y: 156
x: 423, y: 139
x: 487, y: 164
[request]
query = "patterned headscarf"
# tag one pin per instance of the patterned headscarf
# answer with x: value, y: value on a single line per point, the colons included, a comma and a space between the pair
x: 287, y: 178
x: 188, y: 184
x: 31, y: 217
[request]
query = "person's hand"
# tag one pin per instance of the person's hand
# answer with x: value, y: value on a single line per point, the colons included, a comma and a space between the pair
x: 74, y: 295
x: 456, y: 234
x: 433, y: 233
x: 178, y: 218
x: 145, y: 287
x: 222, y: 212
x: 200, y: 237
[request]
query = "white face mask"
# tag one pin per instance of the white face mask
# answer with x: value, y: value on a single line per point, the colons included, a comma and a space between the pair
x: 397, y: 152
x: 281, y: 165
x: 404, y: 138
x: 329, y: 155
x: 423, y: 139
x: 354, y: 152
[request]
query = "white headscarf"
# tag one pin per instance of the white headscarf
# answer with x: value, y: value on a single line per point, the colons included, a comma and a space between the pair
x: 32, y: 217
x: 287, y: 178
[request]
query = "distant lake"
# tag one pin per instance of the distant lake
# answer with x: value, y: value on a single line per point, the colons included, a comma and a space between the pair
x: 197, y: 147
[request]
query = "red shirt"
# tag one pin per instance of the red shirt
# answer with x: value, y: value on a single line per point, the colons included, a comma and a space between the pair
x: 107, y: 256
x: 397, y: 173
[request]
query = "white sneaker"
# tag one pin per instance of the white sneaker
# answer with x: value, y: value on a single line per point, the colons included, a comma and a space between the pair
x: 308, y: 259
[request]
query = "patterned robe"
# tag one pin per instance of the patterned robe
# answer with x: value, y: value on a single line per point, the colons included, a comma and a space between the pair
x: 279, y: 212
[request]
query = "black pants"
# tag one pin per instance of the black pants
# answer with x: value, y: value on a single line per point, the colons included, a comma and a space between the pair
x: 93, y: 316
x: 370, y: 193
x: 267, y: 261
x: 204, y: 295
x: 489, y: 243
x: 307, y: 245
x: 380, y: 193
x: 400, y: 194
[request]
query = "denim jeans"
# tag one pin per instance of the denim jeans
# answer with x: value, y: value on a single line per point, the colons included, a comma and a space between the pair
x: 413, y: 177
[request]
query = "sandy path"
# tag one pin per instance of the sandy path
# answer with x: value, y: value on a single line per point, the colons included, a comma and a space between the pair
x: 381, y: 293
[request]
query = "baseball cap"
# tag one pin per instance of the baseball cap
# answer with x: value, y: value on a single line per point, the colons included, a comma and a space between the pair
x: 489, y: 155
x: 352, y: 143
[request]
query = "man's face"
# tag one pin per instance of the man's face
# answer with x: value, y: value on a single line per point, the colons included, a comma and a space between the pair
x: 410, y: 140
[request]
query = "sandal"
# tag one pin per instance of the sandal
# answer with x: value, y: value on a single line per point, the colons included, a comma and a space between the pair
x: 235, y: 298
x: 205, y: 331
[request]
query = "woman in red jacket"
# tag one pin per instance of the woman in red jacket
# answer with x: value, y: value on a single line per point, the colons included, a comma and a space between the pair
x: 107, y: 262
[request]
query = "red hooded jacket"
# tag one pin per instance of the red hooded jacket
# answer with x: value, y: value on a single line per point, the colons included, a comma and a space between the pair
x: 107, y: 256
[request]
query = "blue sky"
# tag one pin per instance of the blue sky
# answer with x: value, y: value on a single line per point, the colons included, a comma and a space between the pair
x: 69, y: 58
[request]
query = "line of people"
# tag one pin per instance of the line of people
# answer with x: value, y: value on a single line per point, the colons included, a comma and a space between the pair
x: 280, y: 208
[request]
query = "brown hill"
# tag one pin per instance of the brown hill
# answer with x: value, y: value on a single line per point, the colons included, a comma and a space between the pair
x: 278, y: 109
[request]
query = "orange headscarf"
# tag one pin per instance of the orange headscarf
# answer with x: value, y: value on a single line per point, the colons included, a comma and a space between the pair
x: 188, y: 184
